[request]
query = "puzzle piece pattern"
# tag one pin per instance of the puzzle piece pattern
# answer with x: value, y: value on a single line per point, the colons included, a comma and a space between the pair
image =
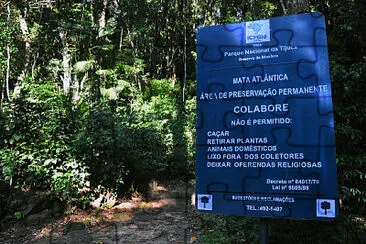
x: 311, y: 131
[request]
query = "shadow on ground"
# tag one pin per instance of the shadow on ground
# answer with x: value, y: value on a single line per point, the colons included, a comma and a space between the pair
x: 167, y: 217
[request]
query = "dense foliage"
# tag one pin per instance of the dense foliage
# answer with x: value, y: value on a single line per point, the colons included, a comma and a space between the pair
x: 100, y: 95
x: 237, y: 229
x: 88, y: 105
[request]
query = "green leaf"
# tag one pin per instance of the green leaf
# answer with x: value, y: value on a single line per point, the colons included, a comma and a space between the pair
x: 104, y: 72
x: 83, y: 66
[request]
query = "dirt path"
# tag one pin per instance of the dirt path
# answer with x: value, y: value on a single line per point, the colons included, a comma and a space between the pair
x: 168, y: 217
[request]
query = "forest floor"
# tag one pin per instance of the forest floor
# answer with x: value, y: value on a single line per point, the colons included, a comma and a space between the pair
x: 168, y: 216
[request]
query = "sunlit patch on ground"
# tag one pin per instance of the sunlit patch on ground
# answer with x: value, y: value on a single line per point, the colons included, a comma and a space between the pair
x: 163, y: 217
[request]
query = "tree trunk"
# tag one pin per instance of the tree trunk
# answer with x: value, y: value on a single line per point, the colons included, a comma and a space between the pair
x: 180, y: 71
x: 7, y: 72
x: 6, y: 85
x: 121, y: 40
x: 92, y: 13
x: 102, y: 19
x: 28, y: 51
x: 283, y: 7
x: 130, y: 37
x: 66, y: 57
x: 297, y: 6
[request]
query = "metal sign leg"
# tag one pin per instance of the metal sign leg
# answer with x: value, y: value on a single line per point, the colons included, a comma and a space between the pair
x: 264, y: 230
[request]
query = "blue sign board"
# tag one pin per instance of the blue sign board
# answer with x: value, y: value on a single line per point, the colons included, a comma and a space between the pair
x: 265, y: 130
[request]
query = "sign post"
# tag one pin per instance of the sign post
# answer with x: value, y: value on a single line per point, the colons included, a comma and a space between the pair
x: 265, y: 130
x: 263, y: 225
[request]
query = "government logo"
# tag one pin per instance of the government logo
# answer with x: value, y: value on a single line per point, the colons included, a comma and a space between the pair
x: 257, y: 31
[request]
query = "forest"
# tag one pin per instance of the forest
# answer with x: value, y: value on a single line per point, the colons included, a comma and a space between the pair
x: 98, y: 96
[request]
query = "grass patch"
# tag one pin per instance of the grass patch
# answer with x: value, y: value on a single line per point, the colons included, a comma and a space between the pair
x: 237, y: 229
x: 229, y: 229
